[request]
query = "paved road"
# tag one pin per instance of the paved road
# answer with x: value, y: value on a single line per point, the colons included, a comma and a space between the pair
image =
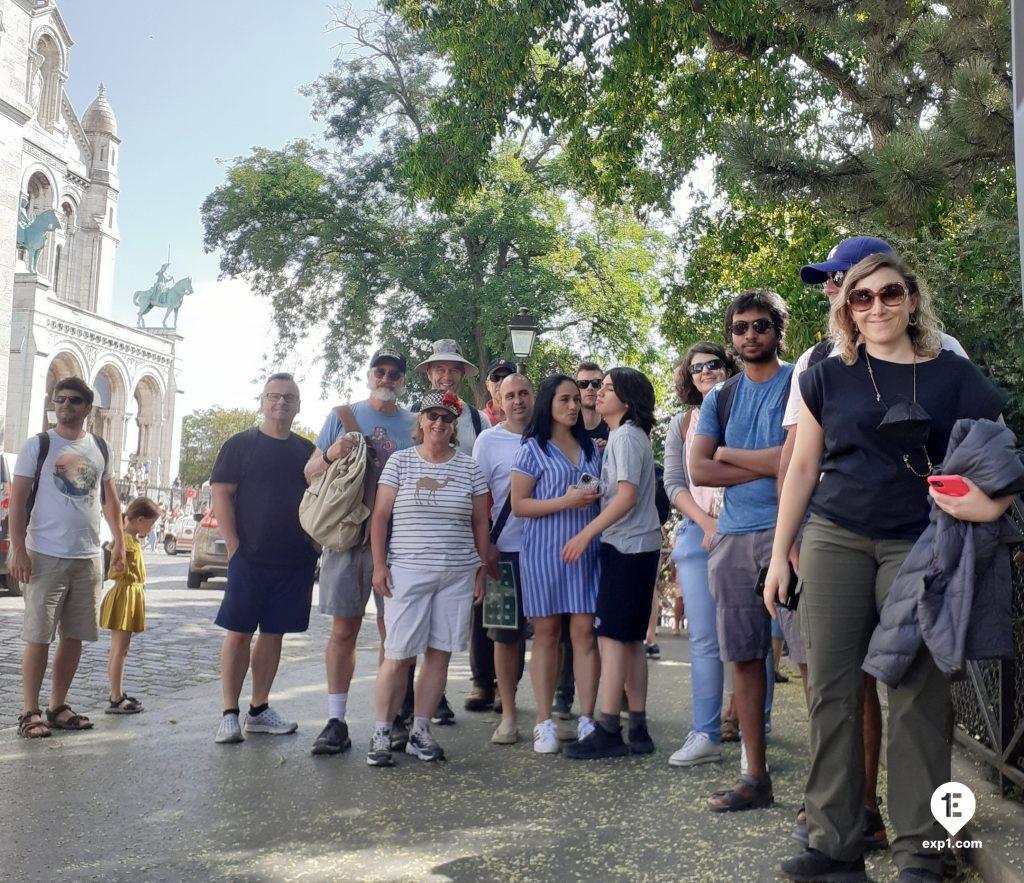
x: 151, y: 797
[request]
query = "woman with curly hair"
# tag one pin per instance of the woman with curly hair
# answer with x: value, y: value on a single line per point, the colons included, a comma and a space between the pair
x: 630, y: 533
x: 872, y: 424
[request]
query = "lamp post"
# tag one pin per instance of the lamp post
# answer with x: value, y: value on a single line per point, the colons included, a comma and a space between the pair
x: 523, y: 330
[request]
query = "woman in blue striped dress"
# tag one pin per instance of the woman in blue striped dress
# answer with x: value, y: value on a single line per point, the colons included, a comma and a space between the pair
x: 556, y: 456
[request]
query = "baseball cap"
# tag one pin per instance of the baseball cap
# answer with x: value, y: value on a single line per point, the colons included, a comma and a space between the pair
x: 381, y: 355
x: 847, y: 253
x: 500, y: 365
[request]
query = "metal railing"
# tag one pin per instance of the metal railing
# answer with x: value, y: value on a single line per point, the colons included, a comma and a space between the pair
x: 988, y: 704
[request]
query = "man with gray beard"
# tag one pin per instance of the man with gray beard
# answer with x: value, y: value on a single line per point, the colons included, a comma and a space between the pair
x: 345, y: 577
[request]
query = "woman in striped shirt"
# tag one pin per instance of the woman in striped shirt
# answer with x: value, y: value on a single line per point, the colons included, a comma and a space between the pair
x: 554, y: 490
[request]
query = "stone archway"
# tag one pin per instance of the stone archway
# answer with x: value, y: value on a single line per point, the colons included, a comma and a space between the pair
x: 65, y: 364
x: 147, y: 435
x: 41, y: 197
x: 108, y: 409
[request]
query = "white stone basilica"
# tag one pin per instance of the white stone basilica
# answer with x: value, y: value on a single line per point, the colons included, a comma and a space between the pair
x: 56, y: 303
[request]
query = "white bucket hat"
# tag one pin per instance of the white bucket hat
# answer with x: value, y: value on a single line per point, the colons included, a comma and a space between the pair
x: 447, y: 350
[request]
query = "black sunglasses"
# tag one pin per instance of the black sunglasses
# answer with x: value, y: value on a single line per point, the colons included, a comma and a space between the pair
x: 761, y: 326
x: 837, y: 277
x: 443, y: 416
x: 593, y: 384
x: 710, y: 365
x: 73, y: 400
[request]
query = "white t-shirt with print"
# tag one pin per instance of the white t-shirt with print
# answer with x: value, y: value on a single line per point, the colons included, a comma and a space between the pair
x: 65, y: 521
x: 432, y: 519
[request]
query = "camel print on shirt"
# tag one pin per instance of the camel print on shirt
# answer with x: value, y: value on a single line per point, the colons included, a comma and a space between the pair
x: 433, y: 514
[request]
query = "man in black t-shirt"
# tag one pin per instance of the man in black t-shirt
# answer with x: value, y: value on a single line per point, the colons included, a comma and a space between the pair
x: 588, y: 378
x: 257, y: 484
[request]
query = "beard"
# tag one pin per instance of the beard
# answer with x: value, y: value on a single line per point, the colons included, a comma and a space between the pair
x: 384, y: 395
x: 766, y: 355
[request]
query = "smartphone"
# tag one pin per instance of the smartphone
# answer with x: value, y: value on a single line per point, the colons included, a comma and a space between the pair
x: 792, y: 598
x: 950, y: 485
x: 589, y: 483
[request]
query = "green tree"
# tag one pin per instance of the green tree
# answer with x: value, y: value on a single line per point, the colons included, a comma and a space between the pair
x: 335, y: 235
x: 202, y: 435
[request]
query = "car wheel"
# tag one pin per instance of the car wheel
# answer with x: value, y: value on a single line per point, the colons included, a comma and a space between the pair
x: 171, y: 546
x: 194, y: 580
x: 12, y: 585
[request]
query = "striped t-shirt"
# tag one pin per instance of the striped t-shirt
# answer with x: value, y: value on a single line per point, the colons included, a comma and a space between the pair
x: 432, y: 520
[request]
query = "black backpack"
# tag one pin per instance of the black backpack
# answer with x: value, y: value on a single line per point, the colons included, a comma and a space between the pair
x: 661, y: 501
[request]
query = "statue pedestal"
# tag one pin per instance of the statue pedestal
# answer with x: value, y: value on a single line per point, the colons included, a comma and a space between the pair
x: 160, y: 331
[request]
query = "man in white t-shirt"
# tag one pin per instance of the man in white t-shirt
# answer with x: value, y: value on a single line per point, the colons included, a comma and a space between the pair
x: 55, y: 552
x: 494, y: 451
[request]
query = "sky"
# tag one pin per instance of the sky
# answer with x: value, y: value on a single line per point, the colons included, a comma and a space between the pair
x: 194, y: 83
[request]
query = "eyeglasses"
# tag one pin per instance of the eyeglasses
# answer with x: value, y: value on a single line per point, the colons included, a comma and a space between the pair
x: 287, y: 397
x: 711, y: 365
x: 863, y: 299
x: 71, y: 400
x: 593, y: 384
x: 837, y: 277
x: 387, y: 373
x: 761, y: 326
x: 443, y: 416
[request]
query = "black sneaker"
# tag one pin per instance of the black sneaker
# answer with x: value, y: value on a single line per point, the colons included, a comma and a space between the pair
x: 917, y: 875
x: 380, y: 749
x: 600, y: 743
x: 640, y: 741
x: 423, y: 745
x: 811, y: 866
x: 333, y: 738
x: 399, y: 734
x: 780, y: 678
x: 653, y: 650
x: 444, y: 716
x: 875, y: 836
x: 562, y: 706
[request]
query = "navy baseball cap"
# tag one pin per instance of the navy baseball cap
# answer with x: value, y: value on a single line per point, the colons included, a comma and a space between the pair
x: 382, y: 355
x: 500, y: 365
x: 847, y: 253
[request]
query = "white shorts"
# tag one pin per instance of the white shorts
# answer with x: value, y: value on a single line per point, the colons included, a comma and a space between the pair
x: 428, y: 608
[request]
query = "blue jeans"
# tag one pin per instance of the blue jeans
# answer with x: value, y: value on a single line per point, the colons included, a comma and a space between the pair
x: 691, y: 560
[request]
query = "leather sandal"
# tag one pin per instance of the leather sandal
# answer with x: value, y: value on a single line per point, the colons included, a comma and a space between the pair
x: 30, y: 729
x: 71, y: 722
x: 748, y: 794
x: 125, y: 704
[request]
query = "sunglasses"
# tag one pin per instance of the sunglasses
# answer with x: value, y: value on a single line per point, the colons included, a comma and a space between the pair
x: 761, y: 326
x: 387, y: 373
x: 287, y: 397
x: 711, y: 365
x: 71, y: 400
x: 593, y: 384
x: 443, y: 416
x: 837, y: 277
x: 863, y: 299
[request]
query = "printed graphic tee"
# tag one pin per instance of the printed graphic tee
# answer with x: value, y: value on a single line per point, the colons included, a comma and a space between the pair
x: 385, y: 433
x: 65, y: 521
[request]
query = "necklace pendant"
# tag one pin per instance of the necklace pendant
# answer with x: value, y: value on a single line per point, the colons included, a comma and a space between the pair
x: 878, y: 397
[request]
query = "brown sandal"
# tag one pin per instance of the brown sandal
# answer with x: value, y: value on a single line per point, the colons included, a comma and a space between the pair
x: 30, y: 729
x: 71, y: 722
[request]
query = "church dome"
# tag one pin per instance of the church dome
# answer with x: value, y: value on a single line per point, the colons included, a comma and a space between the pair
x: 99, y: 116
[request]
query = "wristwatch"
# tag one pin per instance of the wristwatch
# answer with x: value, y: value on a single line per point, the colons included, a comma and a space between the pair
x: 327, y: 460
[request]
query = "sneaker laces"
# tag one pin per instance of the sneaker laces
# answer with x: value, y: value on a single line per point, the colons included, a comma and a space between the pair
x: 545, y: 730
x: 380, y: 741
x: 585, y: 727
x: 270, y: 716
x: 693, y: 739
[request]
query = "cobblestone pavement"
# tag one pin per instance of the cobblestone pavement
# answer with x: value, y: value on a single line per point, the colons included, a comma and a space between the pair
x: 151, y: 797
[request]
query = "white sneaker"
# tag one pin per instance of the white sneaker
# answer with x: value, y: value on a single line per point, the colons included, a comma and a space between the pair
x: 269, y: 721
x: 545, y: 737
x: 698, y: 748
x: 229, y: 730
x: 584, y: 727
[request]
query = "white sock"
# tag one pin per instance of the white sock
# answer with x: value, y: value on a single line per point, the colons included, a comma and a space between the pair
x: 336, y: 703
x: 382, y: 726
x: 421, y: 724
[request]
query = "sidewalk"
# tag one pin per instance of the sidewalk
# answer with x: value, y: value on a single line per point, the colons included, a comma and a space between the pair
x: 152, y: 797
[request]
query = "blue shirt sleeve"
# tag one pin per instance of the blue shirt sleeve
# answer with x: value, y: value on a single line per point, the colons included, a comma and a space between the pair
x: 330, y: 433
x: 526, y: 460
x: 708, y: 424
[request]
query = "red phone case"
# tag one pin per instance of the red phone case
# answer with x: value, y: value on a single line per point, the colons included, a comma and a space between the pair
x: 950, y: 485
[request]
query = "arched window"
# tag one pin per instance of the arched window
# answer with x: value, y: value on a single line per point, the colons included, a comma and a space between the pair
x: 44, y: 81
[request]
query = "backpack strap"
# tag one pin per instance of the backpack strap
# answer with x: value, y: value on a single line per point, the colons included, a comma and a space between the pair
x: 726, y: 394
x: 499, y: 525
x: 347, y: 418
x: 105, y: 451
x: 44, y: 449
x: 820, y: 351
x: 474, y: 415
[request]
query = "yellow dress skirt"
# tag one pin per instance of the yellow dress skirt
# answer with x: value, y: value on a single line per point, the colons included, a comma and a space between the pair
x: 124, y: 605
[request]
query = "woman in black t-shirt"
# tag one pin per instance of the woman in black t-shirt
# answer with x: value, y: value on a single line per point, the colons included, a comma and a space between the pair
x: 872, y: 424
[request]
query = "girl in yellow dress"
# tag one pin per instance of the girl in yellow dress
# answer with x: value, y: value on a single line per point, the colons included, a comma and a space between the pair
x: 124, y: 606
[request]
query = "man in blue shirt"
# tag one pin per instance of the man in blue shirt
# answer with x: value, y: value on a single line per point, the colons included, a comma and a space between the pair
x: 345, y: 576
x: 741, y: 453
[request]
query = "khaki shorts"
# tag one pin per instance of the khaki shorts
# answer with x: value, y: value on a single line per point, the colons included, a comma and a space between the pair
x: 62, y: 592
x: 428, y: 608
x: 734, y: 562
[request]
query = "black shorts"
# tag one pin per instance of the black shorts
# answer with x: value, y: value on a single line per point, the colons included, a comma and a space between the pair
x: 512, y: 636
x: 625, y: 593
x: 274, y: 598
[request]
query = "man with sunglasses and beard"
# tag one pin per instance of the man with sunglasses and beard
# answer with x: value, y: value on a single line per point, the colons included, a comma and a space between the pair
x: 345, y: 577
x: 830, y: 273
x: 740, y: 452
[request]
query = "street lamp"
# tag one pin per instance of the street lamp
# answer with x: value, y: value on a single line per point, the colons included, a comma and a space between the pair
x: 523, y: 331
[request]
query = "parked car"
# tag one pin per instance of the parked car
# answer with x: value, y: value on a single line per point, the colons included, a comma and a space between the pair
x: 179, y: 535
x: 209, y: 553
x: 9, y: 583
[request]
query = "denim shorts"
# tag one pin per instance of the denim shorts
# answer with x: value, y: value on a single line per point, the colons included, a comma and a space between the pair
x: 275, y: 598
